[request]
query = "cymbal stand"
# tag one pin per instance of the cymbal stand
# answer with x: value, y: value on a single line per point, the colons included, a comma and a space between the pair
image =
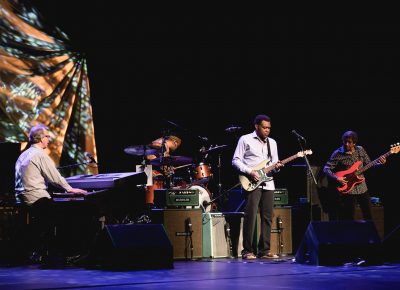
x: 219, y: 174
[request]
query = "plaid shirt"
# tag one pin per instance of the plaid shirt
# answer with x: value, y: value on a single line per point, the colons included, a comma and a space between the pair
x: 341, y: 160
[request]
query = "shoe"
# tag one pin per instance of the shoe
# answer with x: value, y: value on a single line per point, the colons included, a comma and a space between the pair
x: 268, y: 256
x: 248, y: 256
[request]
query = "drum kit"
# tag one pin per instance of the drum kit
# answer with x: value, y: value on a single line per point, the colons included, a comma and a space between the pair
x: 166, y: 173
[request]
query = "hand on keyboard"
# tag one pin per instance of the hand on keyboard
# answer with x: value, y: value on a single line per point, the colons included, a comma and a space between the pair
x: 77, y: 191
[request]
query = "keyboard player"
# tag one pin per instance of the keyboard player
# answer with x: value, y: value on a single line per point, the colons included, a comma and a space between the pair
x: 34, y: 170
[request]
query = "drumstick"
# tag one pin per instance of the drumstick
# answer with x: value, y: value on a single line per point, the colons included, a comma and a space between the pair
x: 178, y: 167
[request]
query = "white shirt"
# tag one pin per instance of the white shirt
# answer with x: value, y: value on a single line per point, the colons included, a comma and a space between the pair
x: 33, y: 170
x: 251, y: 151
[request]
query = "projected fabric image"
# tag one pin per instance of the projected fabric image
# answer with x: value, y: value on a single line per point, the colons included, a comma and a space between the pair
x: 43, y: 81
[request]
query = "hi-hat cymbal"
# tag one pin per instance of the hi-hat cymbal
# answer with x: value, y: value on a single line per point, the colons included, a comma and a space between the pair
x: 171, y: 160
x: 214, y: 149
x: 140, y: 150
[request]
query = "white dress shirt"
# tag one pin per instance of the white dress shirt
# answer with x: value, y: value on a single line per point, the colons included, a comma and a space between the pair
x: 251, y: 151
x: 33, y: 170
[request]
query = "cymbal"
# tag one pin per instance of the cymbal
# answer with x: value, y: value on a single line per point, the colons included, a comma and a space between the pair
x: 140, y: 150
x: 171, y: 160
x: 214, y: 149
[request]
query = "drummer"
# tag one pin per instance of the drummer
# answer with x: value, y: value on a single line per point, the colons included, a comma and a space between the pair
x: 171, y: 143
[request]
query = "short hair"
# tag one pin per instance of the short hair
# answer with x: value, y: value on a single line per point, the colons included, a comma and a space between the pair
x: 175, y: 139
x: 350, y: 135
x: 259, y: 118
x: 37, y: 133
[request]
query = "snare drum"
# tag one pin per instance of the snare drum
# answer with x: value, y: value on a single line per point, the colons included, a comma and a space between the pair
x: 204, y: 198
x: 202, y: 171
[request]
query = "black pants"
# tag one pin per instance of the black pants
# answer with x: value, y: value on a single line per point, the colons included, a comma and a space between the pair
x: 344, y: 206
x: 263, y: 200
x: 43, y: 219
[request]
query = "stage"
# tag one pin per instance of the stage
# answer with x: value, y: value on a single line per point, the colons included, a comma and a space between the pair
x: 208, y: 274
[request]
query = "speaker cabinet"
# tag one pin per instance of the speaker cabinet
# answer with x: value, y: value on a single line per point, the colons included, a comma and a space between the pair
x: 187, y: 241
x: 216, y: 236
x: 281, y: 233
x: 134, y: 246
x: 391, y: 245
x: 339, y: 242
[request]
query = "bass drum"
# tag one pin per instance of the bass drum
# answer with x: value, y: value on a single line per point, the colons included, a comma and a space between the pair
x: 204, y: 198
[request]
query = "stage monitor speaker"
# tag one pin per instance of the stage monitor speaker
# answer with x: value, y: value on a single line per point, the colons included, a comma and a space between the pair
x: 184, y: 238
x: 391, y: 246
x: 134, y: 246
x: 216, y: 236
x: 340, y: 242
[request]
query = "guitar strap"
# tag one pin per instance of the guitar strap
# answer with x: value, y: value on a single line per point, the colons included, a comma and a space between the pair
x: 269, y: 150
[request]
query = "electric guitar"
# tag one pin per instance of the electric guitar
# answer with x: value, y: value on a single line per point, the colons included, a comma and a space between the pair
x: 351, y: 175
x: 263, y: 169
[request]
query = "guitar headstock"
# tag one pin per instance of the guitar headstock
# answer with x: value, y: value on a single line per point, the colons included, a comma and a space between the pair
x: 304, y: 153
x: 395, y: 148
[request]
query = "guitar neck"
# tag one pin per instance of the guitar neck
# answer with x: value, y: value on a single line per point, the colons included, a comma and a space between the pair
x: 372, y: 163
x: 284, y: 161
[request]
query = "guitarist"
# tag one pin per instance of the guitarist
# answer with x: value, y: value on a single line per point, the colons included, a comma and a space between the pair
x: 342, y: 206
x: 252, y: 149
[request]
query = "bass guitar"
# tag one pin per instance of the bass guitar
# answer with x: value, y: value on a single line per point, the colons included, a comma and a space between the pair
x: 352, y: 175
x: 263, y: 170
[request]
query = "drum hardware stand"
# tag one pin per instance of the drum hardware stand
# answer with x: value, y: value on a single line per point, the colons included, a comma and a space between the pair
x: 219, y: 174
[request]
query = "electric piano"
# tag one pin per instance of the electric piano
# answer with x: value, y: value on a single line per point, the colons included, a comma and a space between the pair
x: 107, y: 180
x: 116, y: 193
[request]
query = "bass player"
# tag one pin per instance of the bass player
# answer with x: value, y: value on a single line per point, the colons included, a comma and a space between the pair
x: 351, y: 188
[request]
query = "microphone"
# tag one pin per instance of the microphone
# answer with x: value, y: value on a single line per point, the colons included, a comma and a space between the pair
x: 90, y: 157
x: 298, y: 135
x: 233, y: 129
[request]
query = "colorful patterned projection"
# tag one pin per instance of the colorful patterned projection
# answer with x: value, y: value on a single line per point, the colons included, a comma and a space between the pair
x: 41, y: 81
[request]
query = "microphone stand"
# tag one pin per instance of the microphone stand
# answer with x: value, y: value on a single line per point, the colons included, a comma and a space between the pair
x: 309, y: 173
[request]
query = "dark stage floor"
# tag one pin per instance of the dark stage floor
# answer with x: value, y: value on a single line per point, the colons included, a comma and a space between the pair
x: 208, y: 274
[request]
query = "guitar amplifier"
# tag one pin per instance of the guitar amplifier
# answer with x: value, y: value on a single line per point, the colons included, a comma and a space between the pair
x: 281, y: 197
x: 216, y: 242
x: 182, y: 197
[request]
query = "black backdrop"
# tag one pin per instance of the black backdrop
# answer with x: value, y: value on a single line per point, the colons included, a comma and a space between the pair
x: 205, y: 71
